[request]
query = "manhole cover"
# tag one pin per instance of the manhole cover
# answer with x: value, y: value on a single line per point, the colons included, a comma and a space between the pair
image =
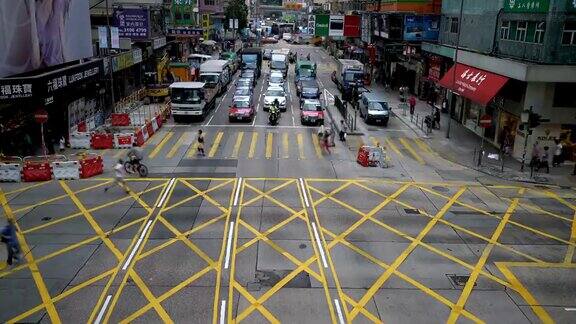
x: 459, y: 281
x: 269, y: 278
x: 46, y: 218
x: 411, y: 211
x: 441, y: 189
x: 302, y: 246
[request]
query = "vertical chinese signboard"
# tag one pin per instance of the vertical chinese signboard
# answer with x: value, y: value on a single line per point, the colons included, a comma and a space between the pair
x: 322, y: 25
x: 352, y: 26
x: 132, y: 23
x: 541, y: 6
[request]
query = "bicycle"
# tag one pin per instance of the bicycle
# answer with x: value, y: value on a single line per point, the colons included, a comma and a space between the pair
x: 136, y: 166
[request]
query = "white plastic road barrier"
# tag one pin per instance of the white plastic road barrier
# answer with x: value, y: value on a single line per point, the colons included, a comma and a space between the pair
x: 80, y: 140
x: 155, y: 124
x: 68, y: 170
x: 123, y: 140
x: 145, y: 133
x: 10, y: 172
x: 90, y: 123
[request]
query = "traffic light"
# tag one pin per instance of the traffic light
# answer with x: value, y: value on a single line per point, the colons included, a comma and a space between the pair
x: 534, y: 120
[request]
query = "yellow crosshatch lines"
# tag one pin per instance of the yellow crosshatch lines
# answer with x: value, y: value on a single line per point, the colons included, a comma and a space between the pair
x: 219, y: 195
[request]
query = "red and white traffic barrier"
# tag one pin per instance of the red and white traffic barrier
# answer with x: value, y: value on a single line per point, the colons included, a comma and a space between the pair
x: 123, y: 140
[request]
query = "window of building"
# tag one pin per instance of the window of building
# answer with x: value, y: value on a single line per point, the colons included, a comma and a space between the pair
x: 454, y: 25
x: 564, y: 95
x: 539, y: 34
x: 521, y: 31
x: 187, y: 16
x: 209, y: 2
x: 569, y: 33
x: 505, y: 30
x: 446, y: 24
x: 177, y: 15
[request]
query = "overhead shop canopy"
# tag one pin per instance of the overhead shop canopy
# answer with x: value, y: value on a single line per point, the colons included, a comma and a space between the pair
x: 475, y: 84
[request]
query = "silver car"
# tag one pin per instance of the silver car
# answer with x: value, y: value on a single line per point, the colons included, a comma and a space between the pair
x: 273, y: 93
x: 276, y: 80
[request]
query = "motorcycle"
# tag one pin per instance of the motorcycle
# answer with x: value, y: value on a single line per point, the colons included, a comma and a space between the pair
x: 273, y: 117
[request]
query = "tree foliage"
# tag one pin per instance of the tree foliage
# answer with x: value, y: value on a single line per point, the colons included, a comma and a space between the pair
x: 236, y: 9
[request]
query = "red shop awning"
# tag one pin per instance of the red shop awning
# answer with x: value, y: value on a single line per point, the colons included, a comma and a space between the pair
x: 475, y: 84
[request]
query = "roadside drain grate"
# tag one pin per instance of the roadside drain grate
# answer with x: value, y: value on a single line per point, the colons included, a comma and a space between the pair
x: 302, y: 246
x: 411, y: 211
x: 440, y: 189
x: 459, y: 281
x: 46, y: 218
x: 269, y: 278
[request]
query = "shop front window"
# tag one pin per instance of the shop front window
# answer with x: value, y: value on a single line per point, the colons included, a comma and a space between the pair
x: 472, y: 112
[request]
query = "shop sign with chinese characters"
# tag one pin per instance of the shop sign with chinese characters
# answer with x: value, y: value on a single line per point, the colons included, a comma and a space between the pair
x: 541, y: 6
x: 17, y: 89
x: 475, y: 84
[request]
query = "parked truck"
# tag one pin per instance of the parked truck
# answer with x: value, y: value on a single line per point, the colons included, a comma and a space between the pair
x: 279, y: 61
x: 191, y: 99
x: 216, y: 74
x: 348, y: 74
x: 252, y: 59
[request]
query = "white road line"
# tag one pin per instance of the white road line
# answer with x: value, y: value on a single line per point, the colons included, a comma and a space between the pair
x: 165, y: 193
x: 209, y: 120
x: 570, y: 309
x: 229, y: 245
x: 256, y: 114
x: 304, y: 192
x: 145, y: 229
x: 339, y: 311
x: 319, y: 243
x: 237, y: 193
x: 103, y: 310
x: 132, y: 254
x: 222, y: 312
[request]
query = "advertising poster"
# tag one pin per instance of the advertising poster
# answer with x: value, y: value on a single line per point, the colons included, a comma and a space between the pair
x: 417, y: 28
x: 352, y: 26
x: 132, y: 23
x: 103, y: 36
x: 336, y: 26
x: 36, y: 34
x: 541, y: 6
x: 115, y: 36
x: 322, y: 24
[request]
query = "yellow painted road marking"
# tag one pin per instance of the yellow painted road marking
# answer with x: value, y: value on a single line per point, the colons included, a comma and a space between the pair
x: 455, y: 313
x: 176, y: 146
x: 400, y: 259
x: 300, y: 140
x: 269, y: 142
x: 317, y: 147
x: 215, y: 145
x: 570, y: 253
x: 411, y: 151
x: 253, y: 145
x: 423, y: 146
x: 237, y: 145
x: 193, y: 151
x: 393, y: 147
x: 34, y: 270
x: 520, y: 289
x: 285, y: 149
x: 359, y: 141
x: 160, y: 145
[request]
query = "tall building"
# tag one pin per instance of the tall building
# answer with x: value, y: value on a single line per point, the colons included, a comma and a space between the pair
x: 513, y: 56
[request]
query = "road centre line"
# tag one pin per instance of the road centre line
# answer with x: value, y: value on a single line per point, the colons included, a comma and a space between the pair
x: 339, y: 311
x: 145, y: 229
x: 304, y: 192
x: 103, y: 310
x: 570, y: 309
x: 237, y: 194
x: 222, y: 311
x: 319, y: 243
x: 132, y: 254
x: 228, y: 246
x: 166, y: 192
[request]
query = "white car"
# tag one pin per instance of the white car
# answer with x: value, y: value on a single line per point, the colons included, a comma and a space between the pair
x: 276, y: 80
x: 273, y: 93
x: 287, y: 37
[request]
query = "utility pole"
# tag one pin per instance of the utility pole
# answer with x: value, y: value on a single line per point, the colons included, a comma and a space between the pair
x: 110, y: 68
x: 526, y: 134
x: 454, y: 68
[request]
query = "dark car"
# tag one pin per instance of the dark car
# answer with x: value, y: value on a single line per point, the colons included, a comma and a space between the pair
x: 309, y: 89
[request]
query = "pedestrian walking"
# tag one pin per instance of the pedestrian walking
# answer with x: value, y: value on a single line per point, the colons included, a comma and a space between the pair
x: 535, y: 155
x: 343, y: 131
x: 326, y: 140
x: 200, y: 142
x: 412, y: 103
x: 544, y: 160
x: 118, y: 177
x: 62, y: 144
x: 557, y: 158
x: 8, y: 237
x: 437, y: 118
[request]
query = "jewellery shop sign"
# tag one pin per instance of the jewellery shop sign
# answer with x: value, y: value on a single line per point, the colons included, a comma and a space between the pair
x: 50, y: 83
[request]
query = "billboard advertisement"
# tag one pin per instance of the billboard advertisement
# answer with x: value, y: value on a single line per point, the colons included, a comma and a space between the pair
x: 418, y: 28
x: 336, y: 27
x: 322, y: 24
x: 539, y: 6
x: 352, y: 26
x: 40, y: 33
x: 132, y: 23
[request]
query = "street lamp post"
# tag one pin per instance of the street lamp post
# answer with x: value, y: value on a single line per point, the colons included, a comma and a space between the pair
x: 109, y: 36
x: 454, y: 68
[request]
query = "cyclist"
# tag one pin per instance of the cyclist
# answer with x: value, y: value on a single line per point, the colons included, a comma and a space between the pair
x: 134, y: 156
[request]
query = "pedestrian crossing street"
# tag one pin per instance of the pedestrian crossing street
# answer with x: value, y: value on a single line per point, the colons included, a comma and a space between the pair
x: 297, y: 143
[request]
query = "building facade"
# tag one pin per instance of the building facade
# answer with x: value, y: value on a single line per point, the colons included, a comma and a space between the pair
x: 531, y: 45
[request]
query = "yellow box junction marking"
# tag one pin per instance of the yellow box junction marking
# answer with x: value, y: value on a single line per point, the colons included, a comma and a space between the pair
x: 253, y: 145
x: 160, y: 145
x: 215, y: 145
x: 237, y: 145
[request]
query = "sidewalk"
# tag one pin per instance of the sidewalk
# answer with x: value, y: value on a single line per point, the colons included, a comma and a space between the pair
x: 463, y: 145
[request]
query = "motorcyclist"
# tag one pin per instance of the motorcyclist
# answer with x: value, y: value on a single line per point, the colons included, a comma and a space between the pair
x: 134, y: 156
x: 275, y: 109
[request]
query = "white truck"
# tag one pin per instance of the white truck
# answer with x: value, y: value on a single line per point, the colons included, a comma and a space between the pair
x: 191, y: 99
x: 216, y: 74
x: 349, y: 73
x: 279, y: 60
